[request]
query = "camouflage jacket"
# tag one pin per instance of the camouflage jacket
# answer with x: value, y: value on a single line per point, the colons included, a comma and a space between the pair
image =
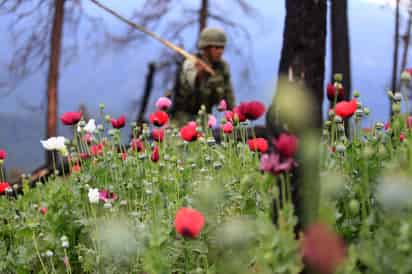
x: 209, y: 90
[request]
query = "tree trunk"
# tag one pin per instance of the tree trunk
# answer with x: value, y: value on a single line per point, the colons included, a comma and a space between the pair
x: 53, y: 75
x: 406, y: 40
x: 203, y: 15
x: 395, y: 50
x: 147, y: 91
x: 340, y: 43
x: 303, y: 55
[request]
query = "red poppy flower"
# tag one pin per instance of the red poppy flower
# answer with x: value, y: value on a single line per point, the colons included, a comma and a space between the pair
x: 346, y: 109
x: 228, y: 128
x: 43, y: 210
x: 189, y: 222
x: 158, y: 134
x: 84, y: 155
x: 322, y: 249
x: 253, y: 110
x: 119, y: 123
x: 286, y: 144
x: 71, y: 117
x: 3, y: 187
x: 159, y: 118
x: 136, y: 144
x: 76, y: 168
x: 258, y: 144
x: 3, y: 154
x: 96, y: 149
x: 331, y: 92
x: 401, y: 137
x: 238, y: 115
x: 387, y: 125
x: 124, y: 156
x: 189, y: 133
x: 155, y: 154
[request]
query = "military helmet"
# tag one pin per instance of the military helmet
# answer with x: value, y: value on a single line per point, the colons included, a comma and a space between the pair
x: 212, y: 37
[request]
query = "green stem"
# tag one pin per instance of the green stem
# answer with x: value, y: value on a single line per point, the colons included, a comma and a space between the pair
x: 38, y: 254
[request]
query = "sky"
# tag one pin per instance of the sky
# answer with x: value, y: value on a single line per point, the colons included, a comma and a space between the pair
x: 117, y: 77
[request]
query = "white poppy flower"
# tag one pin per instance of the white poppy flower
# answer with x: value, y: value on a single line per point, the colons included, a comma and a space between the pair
x: 93, y: 195
x: 54, y: 143
x: 90, y: 127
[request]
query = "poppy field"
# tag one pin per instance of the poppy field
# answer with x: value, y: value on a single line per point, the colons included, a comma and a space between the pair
x: 176, y: 199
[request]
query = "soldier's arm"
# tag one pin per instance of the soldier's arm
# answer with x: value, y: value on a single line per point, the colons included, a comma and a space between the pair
x: 229, y: 94
x: 189, y: 73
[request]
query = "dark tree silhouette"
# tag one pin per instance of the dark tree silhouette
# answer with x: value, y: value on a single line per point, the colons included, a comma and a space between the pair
x: 341, y: 61
x: 302, y: 68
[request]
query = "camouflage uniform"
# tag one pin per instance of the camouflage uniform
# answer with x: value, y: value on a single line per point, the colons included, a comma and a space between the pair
x: 208, y: 90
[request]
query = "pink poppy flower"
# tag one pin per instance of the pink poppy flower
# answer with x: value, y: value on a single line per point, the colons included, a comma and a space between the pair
x: 107, y: 196
x: 163, y: 103
x: 212, y: 121
x: 271, y: 163
x: 222, y: 105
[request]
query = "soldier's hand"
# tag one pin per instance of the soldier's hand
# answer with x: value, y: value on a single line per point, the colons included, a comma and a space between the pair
x: 201, y: 70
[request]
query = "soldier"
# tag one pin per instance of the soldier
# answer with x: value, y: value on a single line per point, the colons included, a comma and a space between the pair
x: 196, y: 86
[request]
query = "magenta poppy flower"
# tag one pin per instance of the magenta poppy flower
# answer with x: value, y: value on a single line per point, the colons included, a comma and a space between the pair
x: 119, y: 123
x: 107, y: 196
x: 3, y: 154
x: 155, y: 154
x: 222, y: 105
x: 136, y: 144
x: 286, y: 144
x: 272, y: 163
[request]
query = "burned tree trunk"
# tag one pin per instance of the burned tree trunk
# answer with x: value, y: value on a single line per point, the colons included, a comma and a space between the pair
x: 340, y: 43
x: 203, y: 15
x: 303, y: 60
x: 406, y: 40
x: 147, y: 91
x: 395, y: 50
x: 53, y: 75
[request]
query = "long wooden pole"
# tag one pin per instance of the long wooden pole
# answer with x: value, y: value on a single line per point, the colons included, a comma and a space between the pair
x: 168, y: 44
